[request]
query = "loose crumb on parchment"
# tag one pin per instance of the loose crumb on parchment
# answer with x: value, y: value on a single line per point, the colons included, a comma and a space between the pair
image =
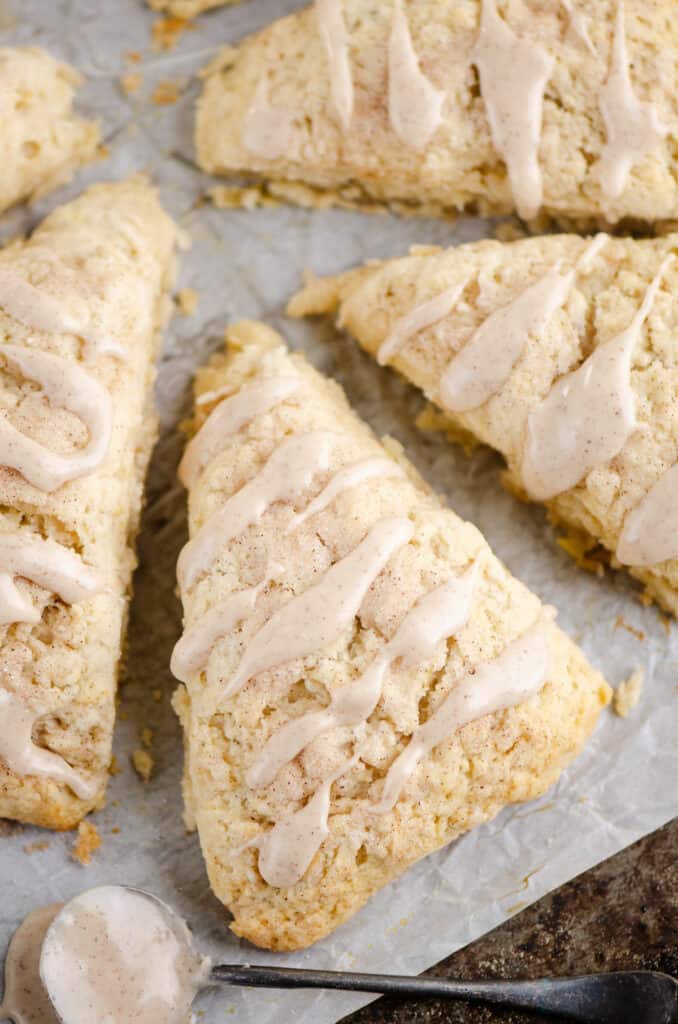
x: 37, y: 847
x: 628, y: 693
x: 621, y: 623
x: 143, y: 764
x: 166, y: 32
x: 87, y: 842
x: 165, y: 93
x: 132, y: 82
x: 187, y: 301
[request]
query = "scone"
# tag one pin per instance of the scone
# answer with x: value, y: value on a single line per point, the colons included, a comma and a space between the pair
x: 559, y: 352
x: 81, y: 304
x: 566, y: 107
x: 188, y: 8
x: 363, y: 679
x: 42, y: 141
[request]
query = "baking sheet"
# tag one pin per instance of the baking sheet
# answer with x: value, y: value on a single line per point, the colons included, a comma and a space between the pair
x: 246, y: 265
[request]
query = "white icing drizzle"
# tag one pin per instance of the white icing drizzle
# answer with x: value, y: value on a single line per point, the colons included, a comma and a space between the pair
x: 588, y: 414
x: 435, y: 617
x: 69, y: 386
x: 268, y: 130
x: 414, y: 105
x: 578, y: 26
x: 511, y: 678
x: 343, y: 480
x: 23, y: 757
x: 513, y: 75
x: 485, y: 362
x: 317, y: 617
x: 287, y: 474
x: 422, y: 316
x: 286, y: 850
x: 47, y: 563
x: 332, y: 28
x: 633, y: 129
x: 36, y: 308
x: 650, y: 531
x: 192, y: 651
x: 230, y: 416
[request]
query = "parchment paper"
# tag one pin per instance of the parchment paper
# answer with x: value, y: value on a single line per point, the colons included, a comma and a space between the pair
x: 246, y: 265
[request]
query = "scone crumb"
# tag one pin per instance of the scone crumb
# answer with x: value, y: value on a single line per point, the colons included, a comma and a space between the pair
x: 431, y: 421
x: 235, y: 197
x: 143, y: 764
x: 187, y: 301
x: 509, y: 231
x: 147, y: 737
x: 131, y: 83
x: 133, y: 57
x: 165, y: 93
x: 621, y: 623
x: 584, y: 549
x: 114, y: 768
x: 37, y: 847
x: 627, y: 694
x: 166, y: 32
x: 87, y: 842
x: 156, y: 695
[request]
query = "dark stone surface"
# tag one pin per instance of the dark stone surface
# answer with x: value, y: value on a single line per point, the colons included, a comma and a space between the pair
x: 620, y: 915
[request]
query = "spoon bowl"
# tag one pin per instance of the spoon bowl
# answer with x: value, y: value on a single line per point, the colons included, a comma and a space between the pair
x: 117, y: 953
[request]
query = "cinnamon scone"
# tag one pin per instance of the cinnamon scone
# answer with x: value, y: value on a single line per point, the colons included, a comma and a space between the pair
x: 559, y: 352
x: 42, y: 140
x: 363, y: 679
x: 566, y: 107
x: 81, y: 304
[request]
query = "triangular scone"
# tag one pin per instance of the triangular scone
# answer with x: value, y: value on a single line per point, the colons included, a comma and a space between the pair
x: 42, y: 141
x: 81, y: 304
x: 494, y: 106
x: 559, y: 352
x: 341, y: 625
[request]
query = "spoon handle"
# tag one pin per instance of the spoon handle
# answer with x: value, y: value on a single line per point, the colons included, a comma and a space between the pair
x: 623, y: 997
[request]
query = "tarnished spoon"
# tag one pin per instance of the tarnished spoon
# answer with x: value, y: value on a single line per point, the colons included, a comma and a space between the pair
x: 621, y: 997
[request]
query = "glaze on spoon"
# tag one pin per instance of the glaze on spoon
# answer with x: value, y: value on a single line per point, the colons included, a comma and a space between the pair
x: 114, y: 955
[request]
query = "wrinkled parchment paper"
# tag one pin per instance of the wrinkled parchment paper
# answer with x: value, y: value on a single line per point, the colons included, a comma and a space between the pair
x: 246, y: 265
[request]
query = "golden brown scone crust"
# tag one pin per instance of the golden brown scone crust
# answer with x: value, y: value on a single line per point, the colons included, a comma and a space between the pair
x: 42, y: 141
x: 459, y: 167
x: 506, y: 757
x: 602, y: 303
x: 120, y: 243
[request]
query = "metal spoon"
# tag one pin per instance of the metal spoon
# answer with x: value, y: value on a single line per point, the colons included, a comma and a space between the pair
x: 621, y: 997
